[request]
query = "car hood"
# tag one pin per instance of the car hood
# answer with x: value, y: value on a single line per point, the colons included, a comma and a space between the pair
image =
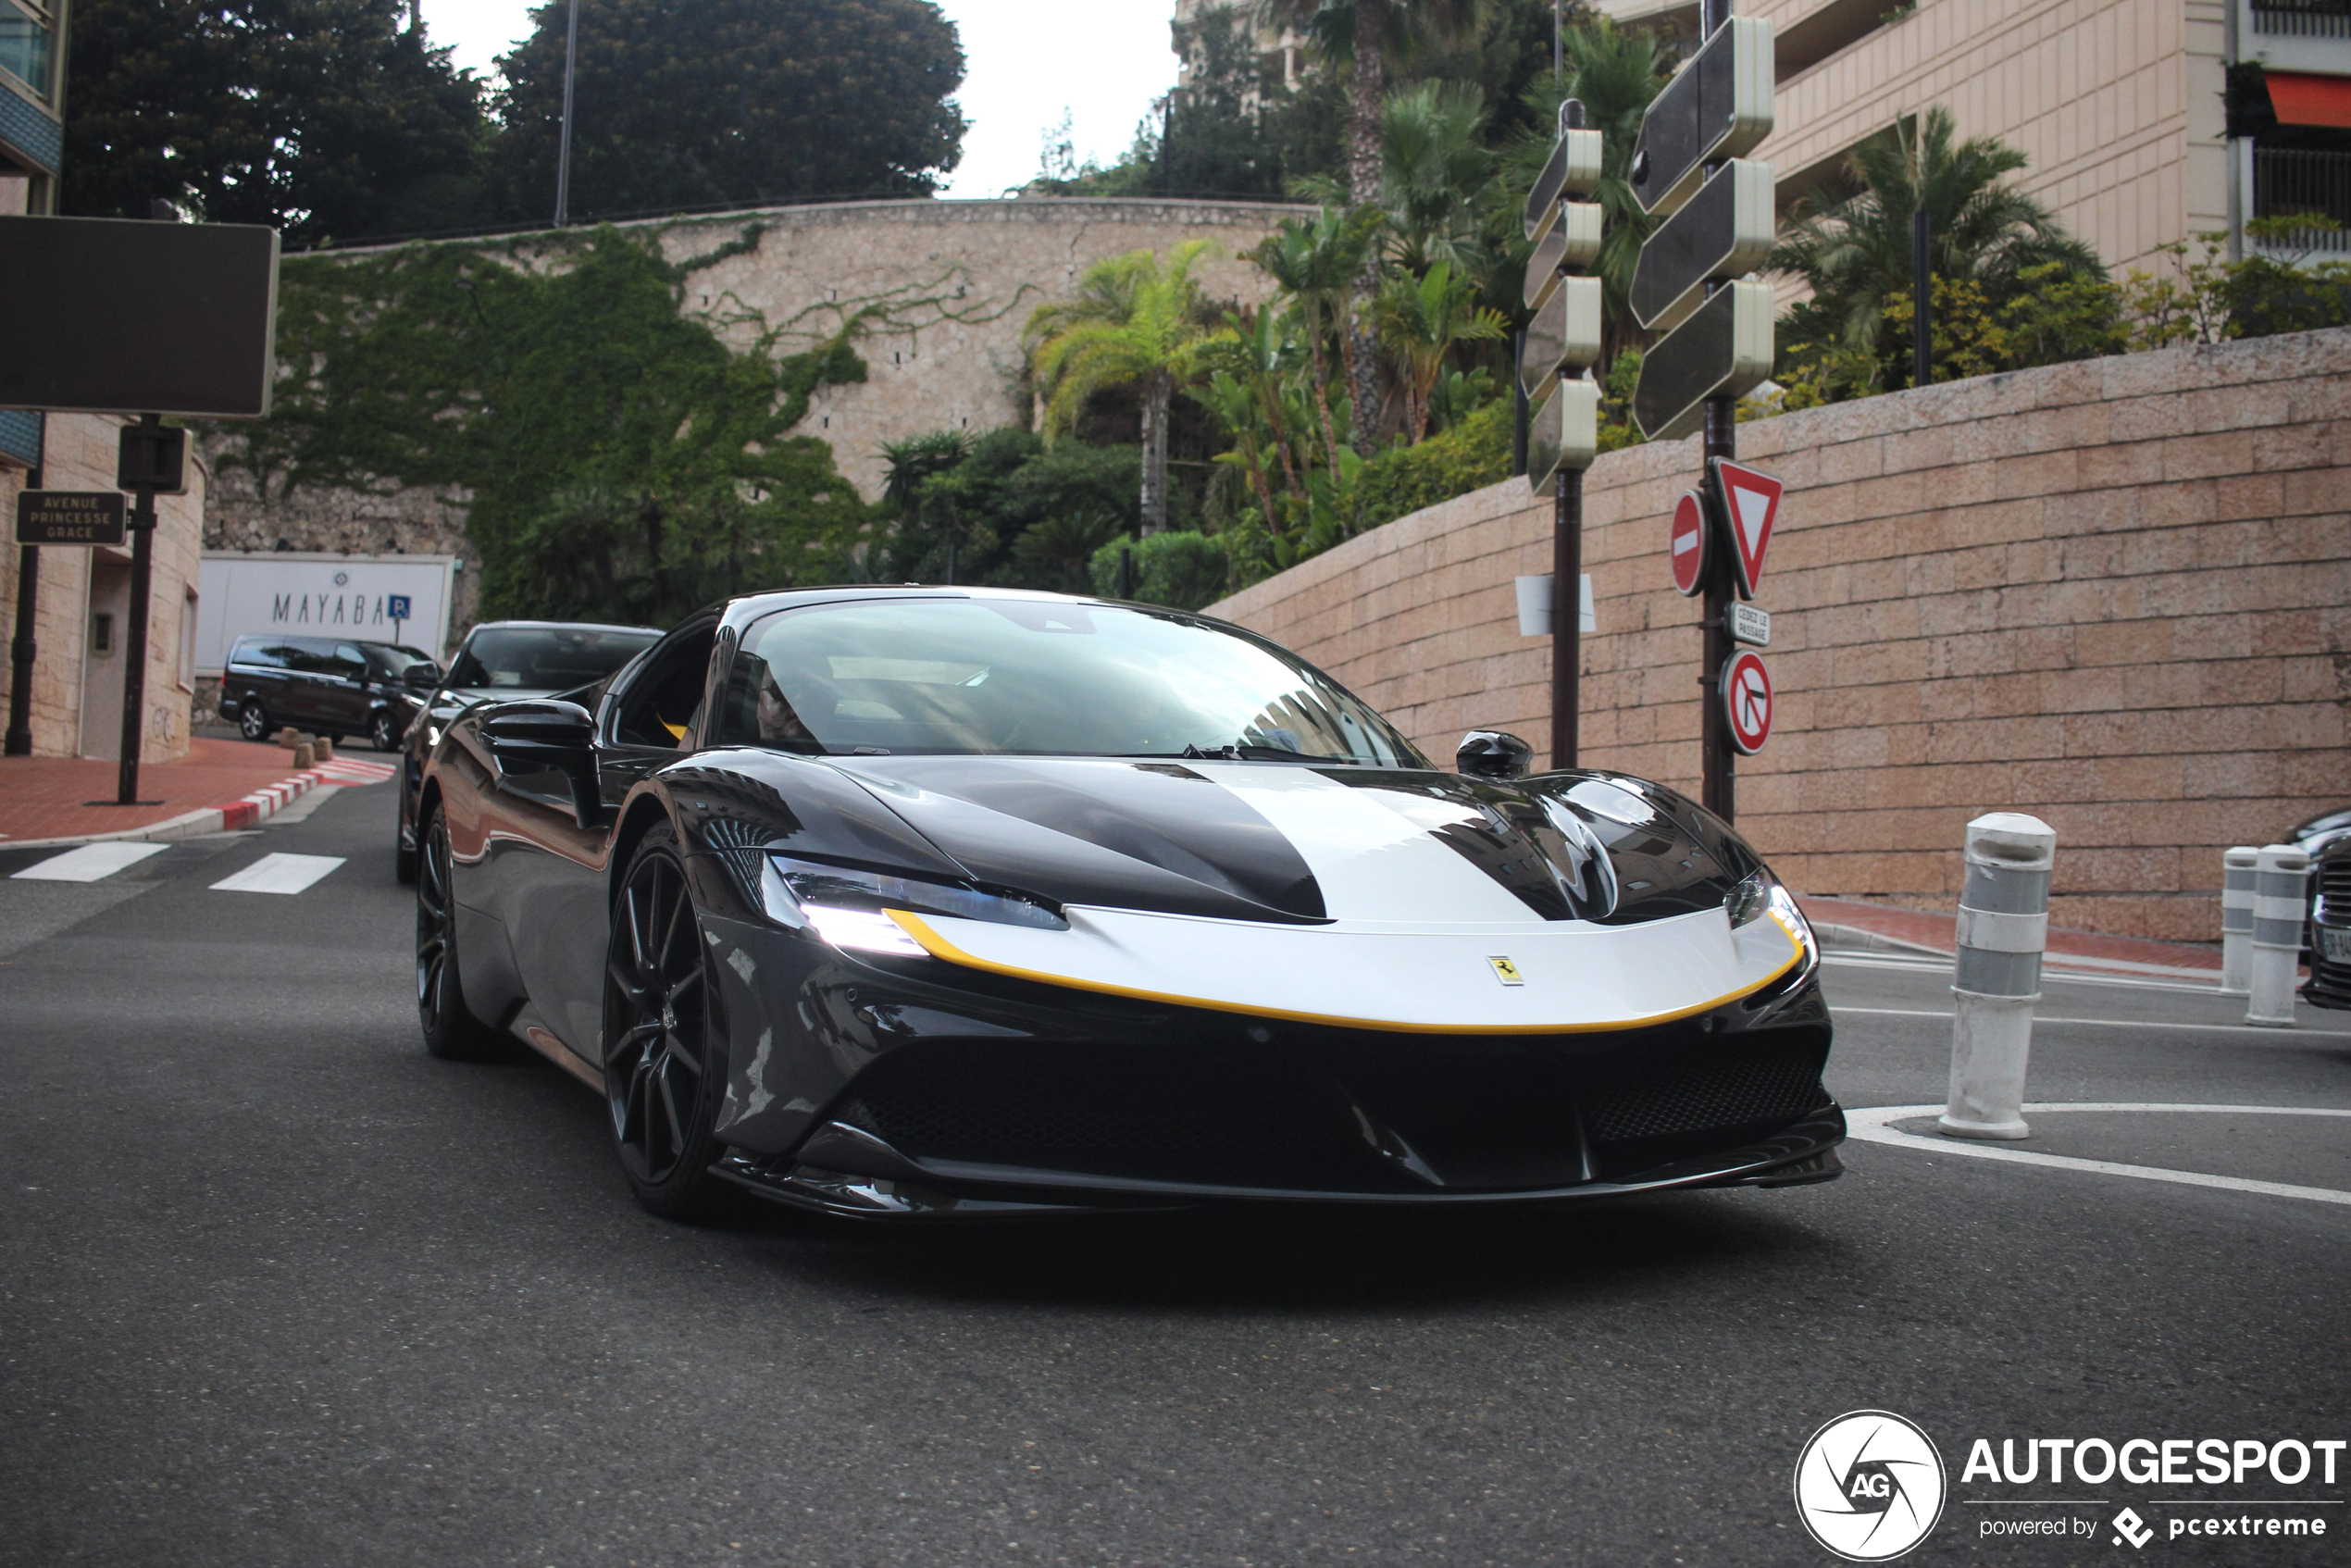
x: 1267, y: 841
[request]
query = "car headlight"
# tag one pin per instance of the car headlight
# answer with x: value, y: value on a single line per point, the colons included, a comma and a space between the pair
x: 846, y: 906
x: 1761, y: 894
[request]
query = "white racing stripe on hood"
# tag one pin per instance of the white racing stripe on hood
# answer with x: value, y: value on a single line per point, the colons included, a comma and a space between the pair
x: 1372, y: 860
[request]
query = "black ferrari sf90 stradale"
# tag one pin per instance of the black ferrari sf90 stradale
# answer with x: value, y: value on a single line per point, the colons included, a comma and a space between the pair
x: 952, y: 902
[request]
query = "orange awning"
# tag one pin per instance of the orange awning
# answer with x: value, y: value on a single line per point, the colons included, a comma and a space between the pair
x: 2311, y: 100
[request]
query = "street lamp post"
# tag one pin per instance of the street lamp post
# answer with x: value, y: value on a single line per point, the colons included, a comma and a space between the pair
x: 563, y: 146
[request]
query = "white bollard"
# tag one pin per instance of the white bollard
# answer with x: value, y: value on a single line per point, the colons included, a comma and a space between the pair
x: 2004, y: 927
x: 2280, y: 888
x: 2236, y: 919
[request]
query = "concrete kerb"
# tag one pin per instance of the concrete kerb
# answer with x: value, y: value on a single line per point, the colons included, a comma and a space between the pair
x: 245, y: 812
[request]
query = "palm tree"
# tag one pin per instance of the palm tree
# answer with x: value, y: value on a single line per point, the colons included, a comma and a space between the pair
x: 1422, y: 319
x: 1315, y: 264
x: 1615, y: 72
x: 1435, y: 171
x: 1133, y: 323
x: 1854, y: 253
x: 1364, y: 34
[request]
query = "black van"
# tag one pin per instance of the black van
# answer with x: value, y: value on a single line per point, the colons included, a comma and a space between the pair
x: 330, y: 686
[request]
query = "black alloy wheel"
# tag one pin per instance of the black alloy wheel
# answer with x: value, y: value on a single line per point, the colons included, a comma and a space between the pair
x: 452, y: 1032
x: 253, y: 720
x: 664, y: 1063
x: 380, y: 735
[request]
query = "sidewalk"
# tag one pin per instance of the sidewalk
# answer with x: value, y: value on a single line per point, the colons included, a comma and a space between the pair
x: 1850, y: 923
x: 219, y: 785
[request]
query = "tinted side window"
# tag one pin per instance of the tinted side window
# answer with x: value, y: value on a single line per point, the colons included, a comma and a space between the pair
x: 248, y: 652
x: 349, y: 662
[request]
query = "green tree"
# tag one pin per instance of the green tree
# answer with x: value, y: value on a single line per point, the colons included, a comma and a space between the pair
x: 1134, y: 322
x: 1854, y: 253
x: 1421, y: 319
x: 689, y: 103
x: 325, y: 118
x: 622, y: 461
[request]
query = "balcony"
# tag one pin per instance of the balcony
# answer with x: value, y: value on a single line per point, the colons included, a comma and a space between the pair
x: 2309, y: 36
x: 2295, y: 180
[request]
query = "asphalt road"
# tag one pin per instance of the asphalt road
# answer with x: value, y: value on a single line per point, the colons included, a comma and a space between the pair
x: 275, y: 1288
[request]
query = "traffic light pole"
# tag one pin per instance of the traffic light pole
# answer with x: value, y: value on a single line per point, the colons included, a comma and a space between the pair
x: 1718, y: 756
x: 1567, y: 582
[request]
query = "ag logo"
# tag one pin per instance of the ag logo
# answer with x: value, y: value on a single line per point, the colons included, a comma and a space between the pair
x: 1868, y: 1486
x: 1506, y: 971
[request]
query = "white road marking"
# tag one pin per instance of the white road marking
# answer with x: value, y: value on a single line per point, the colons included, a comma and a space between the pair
x: 88, y: 863
x: 1873, y: 1125
x: 2275, y: 1034
x: 279, y: 874
x: 2160, y: 980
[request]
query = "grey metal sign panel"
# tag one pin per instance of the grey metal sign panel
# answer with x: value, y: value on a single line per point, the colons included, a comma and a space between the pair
x: 117, y: 316
x: 1575, y: 241
x: 1725, y: 231
x: 1563, y: 431
x: 1573, y: 170
x: 1718, y: 105
x: 1723, y: 350
x: 1564, y: 335
x: 53, y: 518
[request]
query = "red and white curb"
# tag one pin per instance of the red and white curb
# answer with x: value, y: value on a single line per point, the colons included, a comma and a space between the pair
x: 239, y: 815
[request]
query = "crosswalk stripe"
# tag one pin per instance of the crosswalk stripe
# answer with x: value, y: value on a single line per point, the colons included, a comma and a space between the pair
x: 88, y: 862
x: 279, y: 874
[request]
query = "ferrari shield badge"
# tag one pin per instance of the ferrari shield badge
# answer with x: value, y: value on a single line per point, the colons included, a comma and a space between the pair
x: 1506, y: 971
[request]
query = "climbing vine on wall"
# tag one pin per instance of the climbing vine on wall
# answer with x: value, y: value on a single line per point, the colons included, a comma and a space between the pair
x: 628, y: 457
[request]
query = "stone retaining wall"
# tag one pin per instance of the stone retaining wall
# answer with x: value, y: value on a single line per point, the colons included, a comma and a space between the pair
x: 2115, y: 593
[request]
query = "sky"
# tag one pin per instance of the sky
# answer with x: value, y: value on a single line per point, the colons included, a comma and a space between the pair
x: 1103, y: 61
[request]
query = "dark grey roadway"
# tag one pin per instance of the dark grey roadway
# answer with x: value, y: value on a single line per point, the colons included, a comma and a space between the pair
x: 275, y: 1288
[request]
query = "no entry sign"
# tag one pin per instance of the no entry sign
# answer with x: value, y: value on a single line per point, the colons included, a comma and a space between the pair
x: 1747, y: 696
x: 1751, y: 502
x: 1687, y: 548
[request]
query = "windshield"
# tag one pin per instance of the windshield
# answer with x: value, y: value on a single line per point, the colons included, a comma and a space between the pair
x: 545, y: 658
x: 393, y: 659
x: 1033, y: 678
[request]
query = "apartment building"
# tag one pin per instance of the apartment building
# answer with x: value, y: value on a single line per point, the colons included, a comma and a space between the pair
x: 2140, y: 134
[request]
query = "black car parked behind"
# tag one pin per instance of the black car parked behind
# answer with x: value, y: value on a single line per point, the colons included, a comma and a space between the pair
x: 329, y: 686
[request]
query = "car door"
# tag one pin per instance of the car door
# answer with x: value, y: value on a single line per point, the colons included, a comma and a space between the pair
x: 556, y: 889
x: 346, y: 697
x: 257, y: 668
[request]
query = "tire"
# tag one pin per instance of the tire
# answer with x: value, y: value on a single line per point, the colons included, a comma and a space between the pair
x: 380, y: 735
x: 452, y: 1032
x: 664, y: 1062
x: 253, y: 720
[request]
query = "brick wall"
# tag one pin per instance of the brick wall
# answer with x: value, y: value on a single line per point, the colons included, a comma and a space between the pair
x: 2117, y: 594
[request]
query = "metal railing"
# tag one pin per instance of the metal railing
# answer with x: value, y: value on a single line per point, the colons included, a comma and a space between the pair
x: 2302, y: 19
x: 2296, y: 179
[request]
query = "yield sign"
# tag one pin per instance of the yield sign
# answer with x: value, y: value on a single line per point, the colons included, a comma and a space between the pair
x: 1747, y: 696
x: 1686, y: 547
x: 1750, y: 503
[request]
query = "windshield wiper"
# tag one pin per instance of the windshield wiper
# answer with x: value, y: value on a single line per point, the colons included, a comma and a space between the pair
x: 1257, y: 754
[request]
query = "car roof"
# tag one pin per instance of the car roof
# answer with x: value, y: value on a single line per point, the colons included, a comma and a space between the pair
x: 562, y: 626
x: 740, y: 612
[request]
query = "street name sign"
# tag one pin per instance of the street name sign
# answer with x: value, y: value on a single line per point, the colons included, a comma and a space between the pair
x: 1718, y: 105
x: 1750, y: 624
x: 1574, y: 170
x: 52, y: 517
x: 1723, y: 349
x: 1750, y: 504
x: 1565, y: 334
x: 1575, y: 241
x: 1724, y: 231
x: 1563, y: 431
x: 1686, y: 546
x: 1747, y: 695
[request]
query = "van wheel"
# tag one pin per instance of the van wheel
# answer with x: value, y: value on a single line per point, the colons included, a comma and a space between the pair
x: 253, y: 720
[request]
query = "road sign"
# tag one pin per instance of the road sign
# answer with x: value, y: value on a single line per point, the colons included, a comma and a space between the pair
x: 396, y: 605
x: 1747, y: 696
x: 1565, y: 334
x: 1575, y: 241
x: 1718, y: 105
x: 1723, y: 350
x: 152, y: 457
x: 1750, y: 503
x: 1686, y: 547
x: 1725, y: 231
x: 1750, y: 624
x: 1573, y: 170
x: 1563, y: 431
x: 69, y: 516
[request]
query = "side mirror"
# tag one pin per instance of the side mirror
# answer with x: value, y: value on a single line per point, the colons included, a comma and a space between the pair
x: 1493, y: 754
x: 545, y: 752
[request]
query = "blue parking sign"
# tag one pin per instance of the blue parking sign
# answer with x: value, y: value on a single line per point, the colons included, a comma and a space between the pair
x: 396, y: 605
